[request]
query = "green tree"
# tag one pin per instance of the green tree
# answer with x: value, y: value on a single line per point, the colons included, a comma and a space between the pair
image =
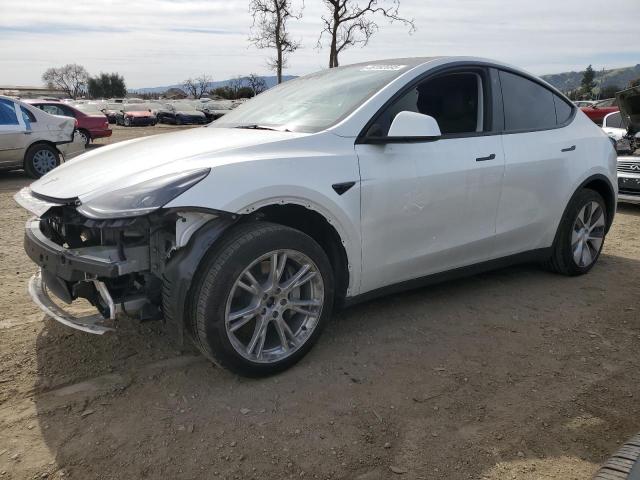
x: 588, y: 81
x: 107, y: 85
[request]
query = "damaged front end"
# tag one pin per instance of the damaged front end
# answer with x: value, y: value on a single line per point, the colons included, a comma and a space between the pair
x: 121, y: 266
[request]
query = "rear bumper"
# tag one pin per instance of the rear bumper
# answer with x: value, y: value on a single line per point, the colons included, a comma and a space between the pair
x: 100, y: 133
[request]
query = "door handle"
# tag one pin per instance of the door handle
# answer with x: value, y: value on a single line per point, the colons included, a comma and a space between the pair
x: 28, y: 132
x: 569, y: 149
x: 484, y: 159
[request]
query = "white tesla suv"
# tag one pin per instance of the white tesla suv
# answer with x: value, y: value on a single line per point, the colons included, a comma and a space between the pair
x: 327, y: 190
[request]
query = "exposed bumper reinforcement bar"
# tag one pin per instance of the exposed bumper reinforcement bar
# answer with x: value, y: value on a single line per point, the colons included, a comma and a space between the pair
x: 91, y: 323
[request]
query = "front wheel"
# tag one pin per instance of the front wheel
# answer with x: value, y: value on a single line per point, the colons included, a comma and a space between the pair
x: 127, y: 122
x: 261, y: 299
x: 581, y: 234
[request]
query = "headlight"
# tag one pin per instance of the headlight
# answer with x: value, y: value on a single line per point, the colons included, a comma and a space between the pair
x: 142, y: 198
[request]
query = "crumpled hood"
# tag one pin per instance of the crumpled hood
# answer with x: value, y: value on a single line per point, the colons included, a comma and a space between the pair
x: 127, y: 163
x: 629, y: 103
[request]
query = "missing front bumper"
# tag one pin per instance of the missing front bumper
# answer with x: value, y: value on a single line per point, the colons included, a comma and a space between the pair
x: 95, y: 323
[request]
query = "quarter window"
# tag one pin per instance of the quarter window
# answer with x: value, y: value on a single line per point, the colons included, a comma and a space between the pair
x: 527, y: 105
x: 563, y: 110
x: 27, y: 116
x: 7, y: 113
x: 454, y: 100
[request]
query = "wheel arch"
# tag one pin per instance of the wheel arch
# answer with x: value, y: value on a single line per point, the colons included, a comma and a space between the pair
x: 321, y: 229
x: 35, y: 143
x: 601, y: 184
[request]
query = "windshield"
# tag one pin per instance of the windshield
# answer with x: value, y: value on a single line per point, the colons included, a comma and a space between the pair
x: 314, y: 102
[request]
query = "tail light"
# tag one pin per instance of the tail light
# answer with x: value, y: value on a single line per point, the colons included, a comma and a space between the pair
x: 106, y: 124
x: 75, y: 123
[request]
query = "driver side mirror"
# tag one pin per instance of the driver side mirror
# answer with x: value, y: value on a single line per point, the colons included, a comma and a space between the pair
x: 409, y: 127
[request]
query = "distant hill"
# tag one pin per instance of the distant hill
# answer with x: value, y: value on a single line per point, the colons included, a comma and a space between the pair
x: 619, y: 77
x: 270, y: 81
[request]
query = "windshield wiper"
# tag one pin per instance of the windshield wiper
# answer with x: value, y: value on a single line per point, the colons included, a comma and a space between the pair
x: 261, y: 127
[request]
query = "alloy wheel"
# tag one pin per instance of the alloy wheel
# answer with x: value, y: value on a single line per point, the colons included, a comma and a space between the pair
x: 588, y: 234
x: 44, y: 161
x: 274, y: 306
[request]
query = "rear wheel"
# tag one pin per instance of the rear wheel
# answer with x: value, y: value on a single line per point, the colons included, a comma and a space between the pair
x: 84, y: 135
x: 261, y: 299
x: 127, y: 122
x: 41, y: 159
x: 581, y: 234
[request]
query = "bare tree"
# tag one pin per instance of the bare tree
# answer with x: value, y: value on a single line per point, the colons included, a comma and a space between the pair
x: 350, y: 23
x: 71, y: 79
x: 256, y: 83
x: 236, y: 84
x: 197, y: 87
x: 269, y: 30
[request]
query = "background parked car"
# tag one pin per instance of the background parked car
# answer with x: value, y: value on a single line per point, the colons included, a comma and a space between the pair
x: 34, y: 140
x: 615, y: 125
x: 111, y: 110
x: 599, y: 110
x: 214, y: 110
x: 583, y: 103
x: 181, y: 113
x: 90, y: 126
x: 135, y: 114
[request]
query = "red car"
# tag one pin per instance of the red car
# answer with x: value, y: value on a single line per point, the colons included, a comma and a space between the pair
x: 599, y: 110
x: 89, y: 126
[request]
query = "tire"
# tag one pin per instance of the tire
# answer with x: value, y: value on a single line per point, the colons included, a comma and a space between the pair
x: 217, y: 295
x: 178, y: 120
x: 570, y: 235
x: 624, y: 464
x: 40, y: 159
x: 127, y: 122
x: 85, y: 136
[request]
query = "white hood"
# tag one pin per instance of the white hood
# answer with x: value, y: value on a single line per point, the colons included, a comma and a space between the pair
x: 126, y: 163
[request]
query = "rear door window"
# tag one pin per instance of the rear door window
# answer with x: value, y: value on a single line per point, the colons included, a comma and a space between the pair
x: 527, y: 105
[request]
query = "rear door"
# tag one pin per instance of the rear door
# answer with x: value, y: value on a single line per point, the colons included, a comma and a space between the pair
x: 13, y: 134
x: 431, y: 206
x: 538, y: 151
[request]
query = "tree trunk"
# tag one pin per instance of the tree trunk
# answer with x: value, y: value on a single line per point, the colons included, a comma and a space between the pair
x: 279, y: 57
x: 333, y: 50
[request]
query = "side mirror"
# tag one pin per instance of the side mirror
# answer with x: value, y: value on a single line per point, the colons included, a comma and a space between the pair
x: 409, y: 127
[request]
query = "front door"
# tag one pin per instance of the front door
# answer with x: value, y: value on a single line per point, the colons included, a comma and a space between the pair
x: 430, y: 207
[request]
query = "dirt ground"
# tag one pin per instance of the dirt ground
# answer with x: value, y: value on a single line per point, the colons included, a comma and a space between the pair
x: 516, y: 374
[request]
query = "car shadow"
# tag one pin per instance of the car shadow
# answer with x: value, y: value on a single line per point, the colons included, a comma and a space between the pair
x: 447, y: 381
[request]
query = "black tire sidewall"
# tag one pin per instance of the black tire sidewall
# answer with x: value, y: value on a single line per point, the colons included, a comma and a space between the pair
x: 214, y: 288
x: 564, y: 241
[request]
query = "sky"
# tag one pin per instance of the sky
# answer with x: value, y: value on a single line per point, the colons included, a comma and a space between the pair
x: 162, y: 42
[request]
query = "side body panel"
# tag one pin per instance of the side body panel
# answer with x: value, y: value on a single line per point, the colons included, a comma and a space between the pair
x: 427, y: 207
x: 304, y: 177
x: 540, y: 179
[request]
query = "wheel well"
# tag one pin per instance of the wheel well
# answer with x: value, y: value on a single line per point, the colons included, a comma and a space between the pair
x: 85, y: 131
x: 39, y: 142
x: 604, y: 189
x: 317, y: 227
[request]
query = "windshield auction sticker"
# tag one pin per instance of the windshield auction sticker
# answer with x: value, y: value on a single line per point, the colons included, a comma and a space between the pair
x: 382, y: 68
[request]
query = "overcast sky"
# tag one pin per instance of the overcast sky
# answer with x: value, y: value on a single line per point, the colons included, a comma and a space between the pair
x: 161, y: 42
